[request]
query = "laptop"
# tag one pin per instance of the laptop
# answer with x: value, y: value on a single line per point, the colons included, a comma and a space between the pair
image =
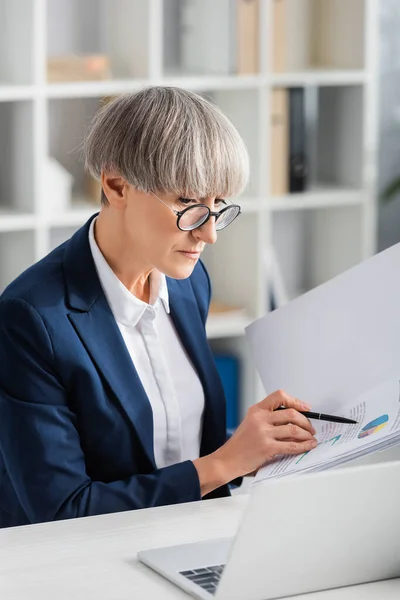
x: 298, y: 534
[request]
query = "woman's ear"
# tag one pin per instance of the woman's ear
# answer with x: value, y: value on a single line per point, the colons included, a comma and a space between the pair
x: 116, y: 190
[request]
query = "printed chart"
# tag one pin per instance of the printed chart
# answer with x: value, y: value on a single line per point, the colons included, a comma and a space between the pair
x: 332, y: 441
x: 373, y: 426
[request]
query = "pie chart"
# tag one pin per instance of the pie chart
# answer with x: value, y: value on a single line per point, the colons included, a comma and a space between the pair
x: 373, y: 426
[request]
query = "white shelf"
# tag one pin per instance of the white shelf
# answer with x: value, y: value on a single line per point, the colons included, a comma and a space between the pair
x: 13, y: 93
x: 87, y: 89
x: 335, y: 77
x: 78, y: 214
x: 93, y: 89
x: 12, y: 221
x: 317, y: 198
x: 217, y: 82
x: 226, y: 327
x: 249, y: 205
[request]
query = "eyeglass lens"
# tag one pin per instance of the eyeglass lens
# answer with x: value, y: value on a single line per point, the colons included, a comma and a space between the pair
x: 197, y: 215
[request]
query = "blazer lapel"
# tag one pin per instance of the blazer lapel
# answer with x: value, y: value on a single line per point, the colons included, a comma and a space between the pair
x: 189, y: 325
x: 95, y: 324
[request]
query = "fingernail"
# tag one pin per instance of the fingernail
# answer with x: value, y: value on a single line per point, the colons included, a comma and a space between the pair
x: 314, y: 443
x: 313, y: 431
x: 305, y: 406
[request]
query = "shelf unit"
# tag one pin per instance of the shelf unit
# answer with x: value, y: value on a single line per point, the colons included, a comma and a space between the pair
x: 316, y: 234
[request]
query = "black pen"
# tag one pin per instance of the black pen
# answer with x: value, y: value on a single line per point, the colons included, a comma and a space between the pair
x: 322, y: 416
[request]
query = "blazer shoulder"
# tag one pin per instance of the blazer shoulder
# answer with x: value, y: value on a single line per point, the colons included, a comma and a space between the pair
x: 39, y: 282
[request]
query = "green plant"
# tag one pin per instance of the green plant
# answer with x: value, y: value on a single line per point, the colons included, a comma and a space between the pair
x: 391, y: 190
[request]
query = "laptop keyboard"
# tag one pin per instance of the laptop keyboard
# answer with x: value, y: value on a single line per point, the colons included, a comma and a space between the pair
x: 207, y: 577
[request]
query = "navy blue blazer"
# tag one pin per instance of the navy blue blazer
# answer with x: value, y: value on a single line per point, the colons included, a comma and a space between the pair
x: 76, y: 427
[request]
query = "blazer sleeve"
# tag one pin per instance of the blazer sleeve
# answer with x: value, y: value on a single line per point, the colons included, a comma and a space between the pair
x: 40, y: 443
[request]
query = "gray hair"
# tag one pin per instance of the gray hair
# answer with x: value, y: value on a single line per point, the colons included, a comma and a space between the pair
x: 167, y: 139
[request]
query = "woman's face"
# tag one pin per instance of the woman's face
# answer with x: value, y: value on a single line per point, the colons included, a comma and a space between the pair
x: 151, y: 229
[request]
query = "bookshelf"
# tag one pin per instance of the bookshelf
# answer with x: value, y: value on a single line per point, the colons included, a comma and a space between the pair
x: 316, y: 234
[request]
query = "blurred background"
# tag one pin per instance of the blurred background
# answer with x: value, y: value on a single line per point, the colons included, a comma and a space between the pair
x: 311, y: 85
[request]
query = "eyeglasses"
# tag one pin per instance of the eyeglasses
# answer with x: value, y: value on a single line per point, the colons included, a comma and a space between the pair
x: 195, y: 216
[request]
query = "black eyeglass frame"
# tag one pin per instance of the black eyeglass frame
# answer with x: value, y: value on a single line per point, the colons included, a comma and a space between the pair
x: 217, y: 214
x: 211, y: 213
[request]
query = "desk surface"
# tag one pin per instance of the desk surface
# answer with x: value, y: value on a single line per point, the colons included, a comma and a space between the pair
x: 95, y: 557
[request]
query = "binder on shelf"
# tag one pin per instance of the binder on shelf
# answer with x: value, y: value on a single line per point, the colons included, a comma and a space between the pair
x: 297, y: 141
x: 279, y: 142
x: 247, y: 31
x: 228, y: 369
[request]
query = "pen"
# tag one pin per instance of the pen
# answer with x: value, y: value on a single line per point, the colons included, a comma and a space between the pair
x: 322, y: 416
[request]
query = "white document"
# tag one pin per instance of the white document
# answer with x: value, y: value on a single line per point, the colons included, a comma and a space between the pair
x: 338, y: 349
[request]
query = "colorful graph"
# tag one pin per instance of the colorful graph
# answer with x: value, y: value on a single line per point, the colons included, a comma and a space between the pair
x: 332, y: 441
x: 301, y: 457
x: 373, y: 426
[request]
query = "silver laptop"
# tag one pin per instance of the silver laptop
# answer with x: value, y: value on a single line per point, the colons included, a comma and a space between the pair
x: 298, y: 534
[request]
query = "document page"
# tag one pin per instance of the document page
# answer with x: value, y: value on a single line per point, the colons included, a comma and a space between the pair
x: 338, y: 340
x: 377, y: 413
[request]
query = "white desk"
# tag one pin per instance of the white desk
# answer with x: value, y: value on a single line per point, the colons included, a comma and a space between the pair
x: 95, y: 557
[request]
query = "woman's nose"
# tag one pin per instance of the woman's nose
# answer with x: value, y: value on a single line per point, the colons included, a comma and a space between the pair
x: 207, y: 232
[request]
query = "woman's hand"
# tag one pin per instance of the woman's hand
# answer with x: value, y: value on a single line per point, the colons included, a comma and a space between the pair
x: 264, y: 433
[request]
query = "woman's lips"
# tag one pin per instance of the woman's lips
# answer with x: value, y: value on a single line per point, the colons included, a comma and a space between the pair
x: 189, y: 254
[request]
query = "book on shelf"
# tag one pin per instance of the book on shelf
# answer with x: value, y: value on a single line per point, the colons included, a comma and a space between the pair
x: 297, y: 141
x: 219, y: 37
x: 223, y: 311
x: 289, y: 160
x: 310, y: 34
x: 75, y: 67
x: 278, y: 35
x: 279, y: 142
x: 208, y: 36
x: 343, y: 50
x: 247, y: 31
x: 292, y: 28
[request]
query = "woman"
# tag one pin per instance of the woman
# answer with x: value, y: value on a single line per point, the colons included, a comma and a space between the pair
x: 109, y: 396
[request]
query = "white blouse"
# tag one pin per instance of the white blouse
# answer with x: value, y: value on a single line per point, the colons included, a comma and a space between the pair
x: 165, y: 370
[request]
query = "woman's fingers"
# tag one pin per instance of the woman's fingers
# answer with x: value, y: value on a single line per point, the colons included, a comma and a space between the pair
x: 281, y: 398
x: 293, y: 432
x: 281, y: 448
x: 291, y: 415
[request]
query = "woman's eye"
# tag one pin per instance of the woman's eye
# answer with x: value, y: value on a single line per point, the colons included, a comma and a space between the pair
x: 186, y: 201
x: 219, y: 202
